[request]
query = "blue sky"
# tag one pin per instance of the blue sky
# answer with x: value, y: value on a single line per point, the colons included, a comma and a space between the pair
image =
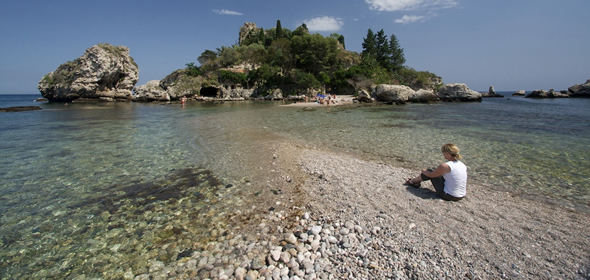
x: 510, y: 44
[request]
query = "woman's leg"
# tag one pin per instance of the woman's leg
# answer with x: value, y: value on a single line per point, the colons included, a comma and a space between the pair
x: 418, y: 179
x: 439, y: 185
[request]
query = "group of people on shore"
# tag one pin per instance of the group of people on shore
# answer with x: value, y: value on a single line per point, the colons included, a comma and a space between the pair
x: 326, y: 100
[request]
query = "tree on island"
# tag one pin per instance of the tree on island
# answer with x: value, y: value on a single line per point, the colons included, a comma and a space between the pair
x: 297, y: 61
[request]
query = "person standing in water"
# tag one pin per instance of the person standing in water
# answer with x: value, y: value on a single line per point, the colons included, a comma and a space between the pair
x: 449, y: 178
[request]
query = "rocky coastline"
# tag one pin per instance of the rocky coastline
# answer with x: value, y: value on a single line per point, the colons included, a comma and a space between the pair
x: 108, y: 73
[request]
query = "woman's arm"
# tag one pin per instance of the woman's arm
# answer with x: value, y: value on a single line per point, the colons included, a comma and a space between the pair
x: 439, y: 171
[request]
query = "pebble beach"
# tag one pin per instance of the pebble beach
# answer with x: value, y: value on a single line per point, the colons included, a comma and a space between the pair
x: 337, y: 216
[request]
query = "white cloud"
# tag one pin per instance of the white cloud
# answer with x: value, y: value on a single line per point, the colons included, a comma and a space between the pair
x: 227, y: 12
x: 408, y: 19
x: 324, y: 24
x: 405, y: 5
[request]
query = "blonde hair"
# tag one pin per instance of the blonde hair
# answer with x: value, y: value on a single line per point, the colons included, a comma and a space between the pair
x: 452, y: 149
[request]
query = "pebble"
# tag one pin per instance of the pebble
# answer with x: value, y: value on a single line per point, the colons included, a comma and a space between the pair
x: 290, y: 238
x: 315, y: 230
x: 321, y: 250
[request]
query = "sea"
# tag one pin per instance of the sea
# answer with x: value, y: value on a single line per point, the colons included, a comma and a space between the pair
x: 97, y: 190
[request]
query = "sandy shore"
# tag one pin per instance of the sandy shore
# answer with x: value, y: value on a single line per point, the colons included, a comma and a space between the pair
x: 340, y: 100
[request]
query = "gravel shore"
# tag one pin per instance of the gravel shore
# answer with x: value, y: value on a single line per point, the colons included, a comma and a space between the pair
x: 335, y: 216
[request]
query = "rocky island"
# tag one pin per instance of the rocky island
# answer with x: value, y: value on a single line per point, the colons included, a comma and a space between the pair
x: 243, y: 72
x: 105, y: 72
x: 108, y: 73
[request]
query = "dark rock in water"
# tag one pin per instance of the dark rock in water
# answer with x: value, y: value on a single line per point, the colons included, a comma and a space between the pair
x: 105, y: 72
x: 185, y: 254
x: 177, y: 230
x: 582, y: 90
x: 20, y: 108
x: 146, y: 195
x: 491, y: 93
x: 539, y: 93
x: 40, y: 100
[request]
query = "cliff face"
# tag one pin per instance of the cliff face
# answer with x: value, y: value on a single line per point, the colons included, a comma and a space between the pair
x: 104, y: 72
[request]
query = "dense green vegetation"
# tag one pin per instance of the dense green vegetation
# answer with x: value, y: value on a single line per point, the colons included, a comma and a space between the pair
x: 297, y: 61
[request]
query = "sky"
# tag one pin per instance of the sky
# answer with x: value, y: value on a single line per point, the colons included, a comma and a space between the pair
x: 508, y: 44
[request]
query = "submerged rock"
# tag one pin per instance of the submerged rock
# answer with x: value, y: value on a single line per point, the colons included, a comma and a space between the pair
x: 104, y: 72
x: 20, y: 108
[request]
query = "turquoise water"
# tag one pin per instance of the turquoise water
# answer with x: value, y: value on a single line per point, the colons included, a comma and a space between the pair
x: 97, y: 189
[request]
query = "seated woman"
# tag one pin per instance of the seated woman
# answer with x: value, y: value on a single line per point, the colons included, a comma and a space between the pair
x: 449, y: 179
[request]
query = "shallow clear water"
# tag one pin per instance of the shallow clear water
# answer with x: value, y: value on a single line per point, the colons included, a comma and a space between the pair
x: 99, y: 188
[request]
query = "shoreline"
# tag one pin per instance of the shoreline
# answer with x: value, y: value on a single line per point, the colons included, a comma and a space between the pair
x: 371, y: 226
x: 341, y: 99
x: 337, y: 216
x: 489, y: 234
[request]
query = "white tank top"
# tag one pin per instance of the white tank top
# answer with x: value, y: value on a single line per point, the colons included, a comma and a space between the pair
x: 456, y: 180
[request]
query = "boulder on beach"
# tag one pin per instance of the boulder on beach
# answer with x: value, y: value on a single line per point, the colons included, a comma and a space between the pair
x: 104, y: 72
x: 458, y: 92
x: 392, y: 93
x: 582, y: 90
x: 364, y: 96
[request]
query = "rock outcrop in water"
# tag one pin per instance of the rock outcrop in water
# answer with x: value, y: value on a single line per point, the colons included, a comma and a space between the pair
x: 399, y: 94
x: 491, y: 93
x: 582, y: 90
x: 458, y: 92
x: 519, y: 93
x: 393, y: 93
x: 539, y: 93
x: 151, y: 91
x: 178, y: 84
x: 104, y: 72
